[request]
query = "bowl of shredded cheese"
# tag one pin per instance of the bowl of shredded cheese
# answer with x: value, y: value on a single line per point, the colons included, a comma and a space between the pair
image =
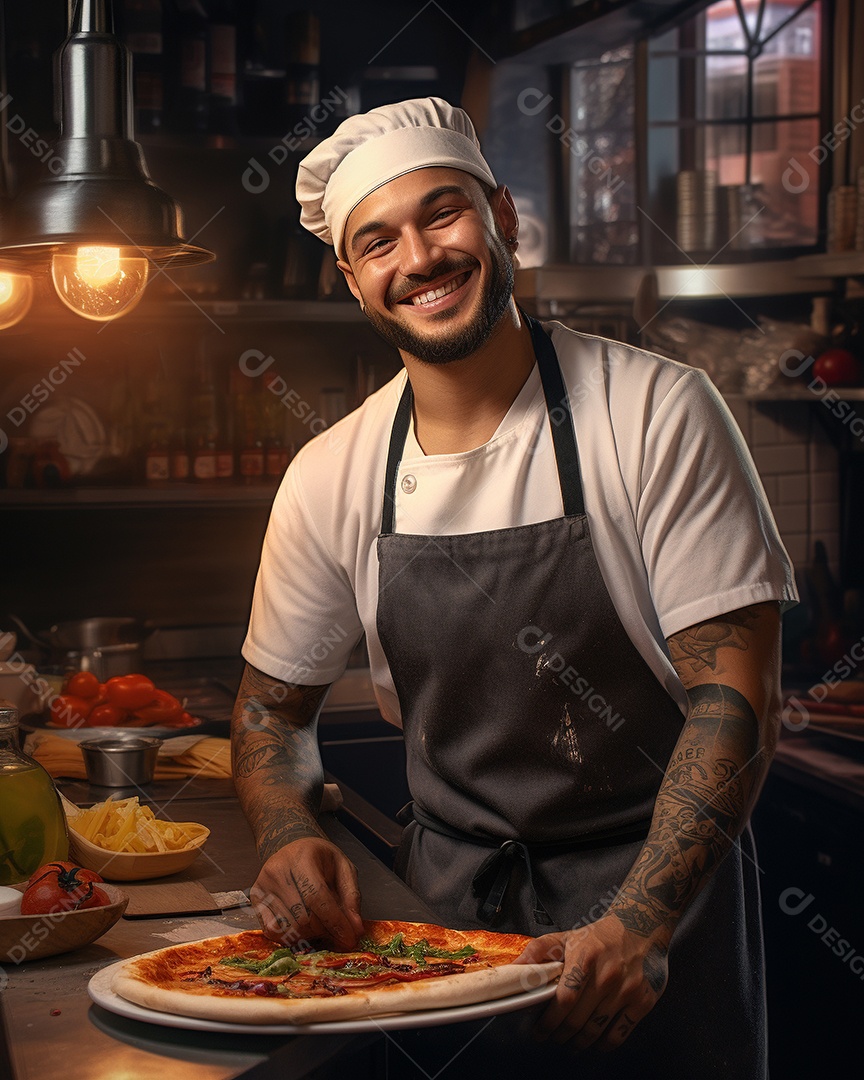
x: 124, y: 841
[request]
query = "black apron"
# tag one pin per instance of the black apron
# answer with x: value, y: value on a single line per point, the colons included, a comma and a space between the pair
x: 536, y: 739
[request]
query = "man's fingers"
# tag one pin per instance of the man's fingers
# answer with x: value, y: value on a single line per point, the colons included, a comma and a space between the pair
x: 621, y: 1025
x: 285, y: 917
x: 547, y: 947
x: 324, y: 904
x: 586, y: 1023
x: 349, y: 894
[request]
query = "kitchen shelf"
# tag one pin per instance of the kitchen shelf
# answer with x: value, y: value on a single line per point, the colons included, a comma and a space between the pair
x: 715, y: 281
x: 837, y: 264
x: 215, y: 312
x: 176, y: 495
x: 271, y: 311
x: 844, y: 393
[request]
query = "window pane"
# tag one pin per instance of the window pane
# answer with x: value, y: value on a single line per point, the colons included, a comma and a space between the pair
x: 800, y: 33
x: 725, y: 87
x: 600, y: 157
x: 723, y: 28
x: 787, y: 81
x: 726, y: 152
x: 787, y: 175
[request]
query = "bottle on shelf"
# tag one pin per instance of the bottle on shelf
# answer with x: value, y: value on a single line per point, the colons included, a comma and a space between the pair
x: 155, y: 429
x: 180, y: 467
x: 32, y: 822
x: 247, y: 409
x: 222, y: 68
x: 188, y: 38
x: 277, y: 452
x: 203, y: 420
x: 303, y: 57
x: 142, y: 33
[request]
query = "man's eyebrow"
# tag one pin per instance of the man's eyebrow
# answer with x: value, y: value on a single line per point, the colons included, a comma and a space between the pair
x: 445, y: 189
x: 429, y: 197
x: 364, y: 230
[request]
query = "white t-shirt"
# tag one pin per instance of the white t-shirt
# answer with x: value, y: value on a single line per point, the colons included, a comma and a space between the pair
x: 679, y: 520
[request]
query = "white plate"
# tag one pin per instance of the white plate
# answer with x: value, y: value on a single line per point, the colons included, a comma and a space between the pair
x: 77, y: 734
x: 100, y: 991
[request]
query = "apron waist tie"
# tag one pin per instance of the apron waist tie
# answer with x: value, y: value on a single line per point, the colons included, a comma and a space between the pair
x: 490, y: 882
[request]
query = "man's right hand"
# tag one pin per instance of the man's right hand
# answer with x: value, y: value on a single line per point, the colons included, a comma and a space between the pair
x: 307, y: 891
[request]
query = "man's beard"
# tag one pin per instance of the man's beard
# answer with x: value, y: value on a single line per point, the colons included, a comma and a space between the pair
x: 444, y: 348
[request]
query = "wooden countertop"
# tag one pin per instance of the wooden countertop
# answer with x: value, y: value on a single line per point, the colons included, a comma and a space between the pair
x: 85, y: 1042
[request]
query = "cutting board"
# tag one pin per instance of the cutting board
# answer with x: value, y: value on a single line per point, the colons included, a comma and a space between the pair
x: 174, y: 898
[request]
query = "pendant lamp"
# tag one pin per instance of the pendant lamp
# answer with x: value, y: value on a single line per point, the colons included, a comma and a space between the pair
x: 101, y: 223
x: 16, y: 289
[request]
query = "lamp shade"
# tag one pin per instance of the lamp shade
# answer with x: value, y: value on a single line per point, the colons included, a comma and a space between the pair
x: 104, y: 194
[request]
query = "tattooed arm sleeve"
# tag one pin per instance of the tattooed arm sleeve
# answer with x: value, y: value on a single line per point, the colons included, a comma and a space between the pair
x: 730, y: 669
x: 275, y: 759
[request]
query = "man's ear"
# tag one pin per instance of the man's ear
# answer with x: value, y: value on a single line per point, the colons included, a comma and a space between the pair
x: 352, y: 281
x: 504, y: 210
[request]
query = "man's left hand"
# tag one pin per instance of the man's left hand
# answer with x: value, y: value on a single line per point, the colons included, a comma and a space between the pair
x: 612, y: 978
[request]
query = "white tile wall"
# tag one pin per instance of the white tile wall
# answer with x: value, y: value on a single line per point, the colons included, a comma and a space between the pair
x: 799, y: 469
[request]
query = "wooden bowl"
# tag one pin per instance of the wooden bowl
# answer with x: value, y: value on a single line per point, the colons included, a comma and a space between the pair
x: 126, y: 865
x: 30, y: 937
x: 132, y: 866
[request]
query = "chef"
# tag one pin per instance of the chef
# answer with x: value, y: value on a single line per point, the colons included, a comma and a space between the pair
x: 570, y: 585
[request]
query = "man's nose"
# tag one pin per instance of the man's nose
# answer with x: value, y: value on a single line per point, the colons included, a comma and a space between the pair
x: 419, y: 253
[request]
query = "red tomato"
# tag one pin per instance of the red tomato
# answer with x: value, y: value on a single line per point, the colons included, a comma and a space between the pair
x: 69, y: 711
x: 838, y: 367
x: 163, y: 710
x: 84, y: 684
x: 58, y: 887
x: 63, y: 868
x: 130, y: 691
x: 105, y: 716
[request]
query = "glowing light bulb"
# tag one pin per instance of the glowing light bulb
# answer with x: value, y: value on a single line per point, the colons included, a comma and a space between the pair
x: 97, y: 282
x: 16, y: 296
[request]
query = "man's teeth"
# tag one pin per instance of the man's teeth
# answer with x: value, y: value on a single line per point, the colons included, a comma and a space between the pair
x: 436, y: 294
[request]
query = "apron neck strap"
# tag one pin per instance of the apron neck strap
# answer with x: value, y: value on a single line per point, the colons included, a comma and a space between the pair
x: 560, y: 422
x: 560, y: 419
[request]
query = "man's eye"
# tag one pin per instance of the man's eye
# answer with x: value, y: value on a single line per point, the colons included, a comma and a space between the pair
x: 443, y: 214
x: 375, y: 245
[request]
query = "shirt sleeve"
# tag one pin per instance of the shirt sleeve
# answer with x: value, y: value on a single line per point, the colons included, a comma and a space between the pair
x: 708, y: 537
x: 304, y: 622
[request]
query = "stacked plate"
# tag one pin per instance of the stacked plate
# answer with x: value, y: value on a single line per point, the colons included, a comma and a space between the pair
x: 697, y: 209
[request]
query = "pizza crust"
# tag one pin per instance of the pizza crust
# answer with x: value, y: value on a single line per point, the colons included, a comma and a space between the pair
x: 135, y: 981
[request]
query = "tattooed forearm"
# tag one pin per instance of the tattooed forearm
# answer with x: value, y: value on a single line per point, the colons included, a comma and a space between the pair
x: 695, y: 649
x: 276, y: 762
x: 702, y: 805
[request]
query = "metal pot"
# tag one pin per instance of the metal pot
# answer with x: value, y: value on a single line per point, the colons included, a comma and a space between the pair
x: 105, y: 646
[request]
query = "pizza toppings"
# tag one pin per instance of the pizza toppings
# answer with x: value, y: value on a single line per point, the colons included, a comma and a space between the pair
x: 418, y: 952
x: 323, y: 971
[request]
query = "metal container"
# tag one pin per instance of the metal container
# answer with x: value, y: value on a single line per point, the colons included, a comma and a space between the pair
x: 105, y: 646
x: 120, y: 761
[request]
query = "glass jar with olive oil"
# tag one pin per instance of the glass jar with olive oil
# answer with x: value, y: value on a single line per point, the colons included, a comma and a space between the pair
x: 32, y: 822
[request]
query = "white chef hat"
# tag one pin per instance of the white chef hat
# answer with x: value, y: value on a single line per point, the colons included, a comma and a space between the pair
x: 371, y: 149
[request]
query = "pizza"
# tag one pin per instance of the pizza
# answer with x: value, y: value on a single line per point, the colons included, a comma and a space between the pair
x: 395, y: 967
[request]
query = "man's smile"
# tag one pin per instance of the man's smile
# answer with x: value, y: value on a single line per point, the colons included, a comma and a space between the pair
x: 439, y: 295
